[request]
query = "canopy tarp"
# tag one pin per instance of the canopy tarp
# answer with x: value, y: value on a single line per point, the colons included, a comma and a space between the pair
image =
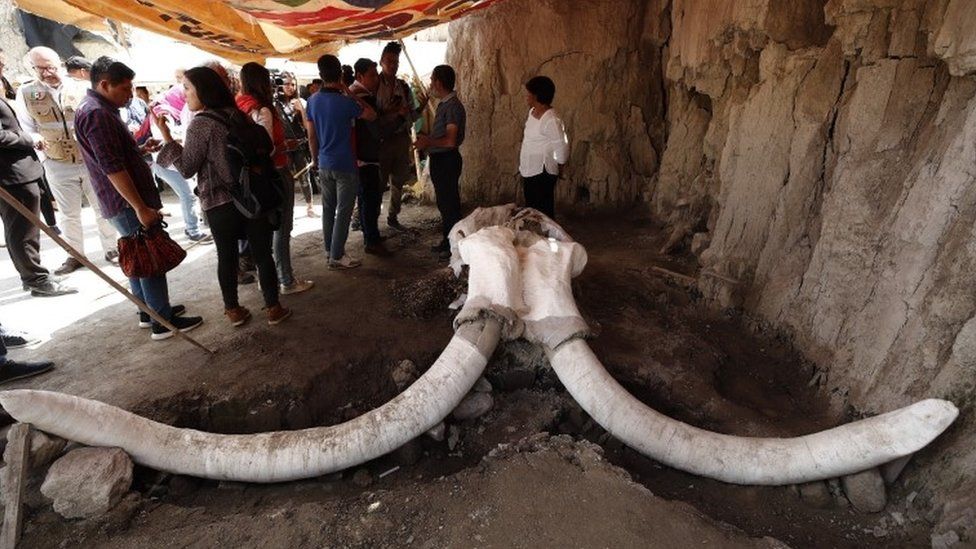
x: 244, y: 30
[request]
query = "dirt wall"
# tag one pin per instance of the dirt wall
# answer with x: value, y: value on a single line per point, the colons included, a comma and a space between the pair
x: 820, y: 153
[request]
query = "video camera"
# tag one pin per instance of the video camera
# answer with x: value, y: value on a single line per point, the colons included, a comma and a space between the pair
x: 278, y: 85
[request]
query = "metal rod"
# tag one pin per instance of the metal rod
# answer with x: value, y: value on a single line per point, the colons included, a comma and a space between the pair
x: 10, y: 199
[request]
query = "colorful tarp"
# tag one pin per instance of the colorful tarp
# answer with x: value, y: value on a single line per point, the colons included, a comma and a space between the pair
x: 243, y: 30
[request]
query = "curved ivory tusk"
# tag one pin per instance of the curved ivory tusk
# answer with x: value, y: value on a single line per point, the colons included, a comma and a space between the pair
x: 745, y: 460
x: 277, y: 456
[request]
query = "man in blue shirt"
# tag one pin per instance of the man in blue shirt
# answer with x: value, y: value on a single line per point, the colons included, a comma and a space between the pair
x: 332, y: 113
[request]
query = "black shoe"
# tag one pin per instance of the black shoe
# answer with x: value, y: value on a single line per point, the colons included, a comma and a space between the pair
x: 12, y: 369
x: 50, y: 289
x: 16, y: 340
x: 145, y: 321
x: 112, y: 257
x: 69, y: 266
x: 182, y: 323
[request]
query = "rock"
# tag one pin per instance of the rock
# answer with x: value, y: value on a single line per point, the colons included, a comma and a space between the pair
x: 404, y: 374
x: 44, y: 448
x: 699, y: 242
x: 816, y: 494
x: 362, y: 478
x: 482, y: 386
x: 945, y: 540
x: 88, y: 481
x: 473, y: 406
x: 866, y: 491
x: 437, y: 432
x: 892, y: 470
x: 453, y: 437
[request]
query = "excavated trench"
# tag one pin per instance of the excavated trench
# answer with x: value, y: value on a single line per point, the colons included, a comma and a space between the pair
x: 528, y: 399
x: 715, y: 370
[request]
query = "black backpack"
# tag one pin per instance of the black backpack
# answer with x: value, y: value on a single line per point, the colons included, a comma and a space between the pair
x: 257, y: 190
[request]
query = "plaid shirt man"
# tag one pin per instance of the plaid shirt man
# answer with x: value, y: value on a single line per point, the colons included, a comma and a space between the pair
x: 108, y: 147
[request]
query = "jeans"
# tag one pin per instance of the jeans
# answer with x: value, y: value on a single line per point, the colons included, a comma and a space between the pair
x: 69, y: 183
x: 181, y: 187
x: 152, y: 291
x: 338, y: 195
x: 370, y: 202
x: 227, y: 226
x: 22, y: 237
x: 282, y: 236
x: 540, y: 193
x: 445, y: 174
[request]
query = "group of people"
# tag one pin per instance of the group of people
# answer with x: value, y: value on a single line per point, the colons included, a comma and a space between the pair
x: 97, y: 141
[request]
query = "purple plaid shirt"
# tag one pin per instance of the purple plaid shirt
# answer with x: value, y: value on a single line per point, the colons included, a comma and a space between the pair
x: 108, y: 147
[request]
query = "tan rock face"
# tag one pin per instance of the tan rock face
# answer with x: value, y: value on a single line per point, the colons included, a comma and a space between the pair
x: 825, y: 150
x: 608, y: 91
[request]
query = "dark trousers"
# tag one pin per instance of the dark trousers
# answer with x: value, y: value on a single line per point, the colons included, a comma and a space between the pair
x: 227, y: 226
x: 47, y: 204
x: 370, y: 202
x: 540, y: 193
x: 23, y: 238
x: 445, y: 173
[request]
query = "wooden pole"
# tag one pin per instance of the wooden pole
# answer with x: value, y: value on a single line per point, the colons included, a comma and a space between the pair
x: 17, y: 457
x: 10, y: 199
x: 413, y: 132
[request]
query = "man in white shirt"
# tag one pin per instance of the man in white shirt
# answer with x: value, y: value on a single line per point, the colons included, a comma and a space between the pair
x: 545, y: 147
x: 45, y: 109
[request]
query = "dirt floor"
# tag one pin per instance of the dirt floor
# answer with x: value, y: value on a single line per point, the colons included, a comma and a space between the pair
x: 496, y: 481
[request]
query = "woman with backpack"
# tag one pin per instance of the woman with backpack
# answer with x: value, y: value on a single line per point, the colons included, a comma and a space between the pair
x: 257, y: 101
x: 218, y: 131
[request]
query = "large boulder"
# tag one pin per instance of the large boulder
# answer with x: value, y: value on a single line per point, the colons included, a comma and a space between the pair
x: 87, y: 482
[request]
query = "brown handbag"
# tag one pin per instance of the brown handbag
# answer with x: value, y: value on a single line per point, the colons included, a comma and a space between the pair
x: 149, y: 252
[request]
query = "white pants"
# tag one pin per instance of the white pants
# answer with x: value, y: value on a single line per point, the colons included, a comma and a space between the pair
x: 68, y: 182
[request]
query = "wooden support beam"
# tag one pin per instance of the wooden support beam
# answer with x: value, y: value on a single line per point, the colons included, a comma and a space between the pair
x: 17, y: 458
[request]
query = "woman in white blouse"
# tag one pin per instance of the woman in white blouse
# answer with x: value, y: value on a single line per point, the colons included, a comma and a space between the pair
x: 545, y: 147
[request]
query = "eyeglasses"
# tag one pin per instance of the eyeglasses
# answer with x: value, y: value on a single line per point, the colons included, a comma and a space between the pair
x: 49, y: 68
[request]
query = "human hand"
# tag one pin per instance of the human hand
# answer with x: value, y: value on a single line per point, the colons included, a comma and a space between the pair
x: 422, y: 142
x: 148, y: 216
x: 163, y: 126
x: 40, y: 143
x: 150, y: 146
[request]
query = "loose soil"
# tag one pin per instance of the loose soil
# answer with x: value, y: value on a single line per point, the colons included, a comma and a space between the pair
x: 332, y: 361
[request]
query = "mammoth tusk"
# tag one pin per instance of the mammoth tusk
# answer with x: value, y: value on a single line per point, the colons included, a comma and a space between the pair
x: 277, y: 456
x: 828, y: 454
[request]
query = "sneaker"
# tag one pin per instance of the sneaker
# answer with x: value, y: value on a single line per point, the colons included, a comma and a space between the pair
x: 377, y: 248
x: 202, y: 238
x: 182, y: 323
x: 345, y: 262
x: 277, y: 314
x: 69, y: 266
x: 244, y: 277
x: 50, y: 289
x: 145, y: 321
x: 238, y: 316
x: 296, y: 287
x: 12, y: 369
x: 16, y: 340
x: 112, y: 256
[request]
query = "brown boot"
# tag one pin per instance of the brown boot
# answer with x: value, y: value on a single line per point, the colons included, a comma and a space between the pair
x: 238, y: 316
x: 277, y: 314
